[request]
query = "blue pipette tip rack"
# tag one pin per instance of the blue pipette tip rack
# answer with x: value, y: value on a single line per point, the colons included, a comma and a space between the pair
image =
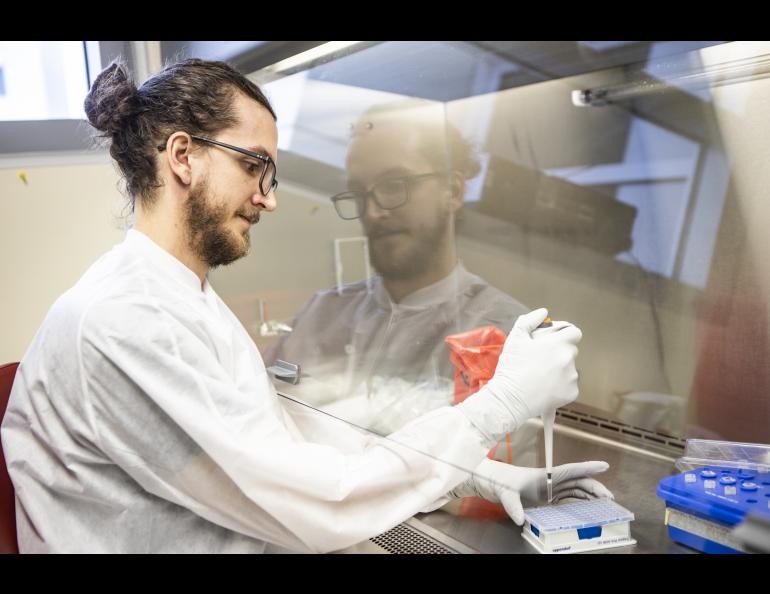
x: 722, y: 483
x: 703, y: 505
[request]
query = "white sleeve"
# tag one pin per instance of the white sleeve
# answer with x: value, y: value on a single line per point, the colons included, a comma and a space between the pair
x: 164, y: 409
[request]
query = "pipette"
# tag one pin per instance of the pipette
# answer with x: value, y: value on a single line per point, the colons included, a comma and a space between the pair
x: 548, y: 417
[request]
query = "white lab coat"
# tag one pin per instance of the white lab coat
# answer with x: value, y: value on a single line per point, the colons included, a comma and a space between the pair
x: 142, y: 420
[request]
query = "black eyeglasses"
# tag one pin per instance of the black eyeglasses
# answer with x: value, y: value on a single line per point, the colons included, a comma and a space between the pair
x: 387, y: 194
x: 267, y: 179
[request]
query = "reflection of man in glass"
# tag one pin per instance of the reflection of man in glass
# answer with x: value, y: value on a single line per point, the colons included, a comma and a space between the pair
x: 383, y: 341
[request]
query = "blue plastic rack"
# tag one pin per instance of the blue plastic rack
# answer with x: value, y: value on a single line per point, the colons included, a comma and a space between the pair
x: 703, y: 505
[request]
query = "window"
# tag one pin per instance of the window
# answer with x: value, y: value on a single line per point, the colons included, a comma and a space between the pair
x: 43, y: 80
x: 42, y: 88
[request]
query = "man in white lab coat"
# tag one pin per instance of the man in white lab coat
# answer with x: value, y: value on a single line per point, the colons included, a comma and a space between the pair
x: 141, y: 418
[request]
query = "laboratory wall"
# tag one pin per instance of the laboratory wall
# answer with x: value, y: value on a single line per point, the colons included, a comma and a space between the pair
x: 54, y: 226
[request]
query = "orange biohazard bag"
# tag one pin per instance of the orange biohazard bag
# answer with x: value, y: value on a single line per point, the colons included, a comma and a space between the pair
x: 474, y: 355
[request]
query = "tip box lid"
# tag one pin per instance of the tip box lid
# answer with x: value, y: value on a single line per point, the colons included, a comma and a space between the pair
x: 579, y: 514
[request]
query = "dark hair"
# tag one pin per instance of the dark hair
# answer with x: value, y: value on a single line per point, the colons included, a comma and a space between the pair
x: 195, y: 96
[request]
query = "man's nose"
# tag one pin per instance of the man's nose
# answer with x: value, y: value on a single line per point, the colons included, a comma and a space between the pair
x: 372, y: 210
x: 268, y: 202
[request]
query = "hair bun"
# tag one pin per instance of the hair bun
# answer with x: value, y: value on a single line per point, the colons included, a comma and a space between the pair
x: 112, y: 98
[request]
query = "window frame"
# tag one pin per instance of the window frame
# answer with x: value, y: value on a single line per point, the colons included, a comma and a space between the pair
x: 25, y: 136
x: 76, y: 136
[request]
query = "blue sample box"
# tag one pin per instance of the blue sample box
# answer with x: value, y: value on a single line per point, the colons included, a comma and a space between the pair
x: 704, y: 504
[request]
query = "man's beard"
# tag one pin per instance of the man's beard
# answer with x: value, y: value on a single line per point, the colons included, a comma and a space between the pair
x: 415, y: 258
x: 207, y: 232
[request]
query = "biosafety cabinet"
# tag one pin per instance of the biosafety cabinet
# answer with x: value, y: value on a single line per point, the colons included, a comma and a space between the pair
x: 434, y: 189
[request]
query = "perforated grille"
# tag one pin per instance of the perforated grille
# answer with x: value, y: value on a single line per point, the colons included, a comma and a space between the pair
x: 403, y: 540
x: 620, y: 431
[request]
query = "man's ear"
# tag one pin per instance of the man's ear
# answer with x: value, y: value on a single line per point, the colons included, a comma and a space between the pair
x: 178, y: 149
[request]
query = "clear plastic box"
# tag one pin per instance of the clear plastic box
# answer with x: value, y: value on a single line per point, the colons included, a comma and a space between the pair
x: 705, y: 452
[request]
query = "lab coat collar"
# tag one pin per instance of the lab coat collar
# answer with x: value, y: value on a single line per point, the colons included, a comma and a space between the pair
x: 449, y: 287
x: 138, y: 242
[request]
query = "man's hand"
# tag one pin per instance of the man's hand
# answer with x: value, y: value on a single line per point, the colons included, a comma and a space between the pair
x: 535, y: 373
x: 503, y: 483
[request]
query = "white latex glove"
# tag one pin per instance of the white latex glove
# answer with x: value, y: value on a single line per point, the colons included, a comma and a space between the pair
x: 536, y: 372
x: 499, y: 482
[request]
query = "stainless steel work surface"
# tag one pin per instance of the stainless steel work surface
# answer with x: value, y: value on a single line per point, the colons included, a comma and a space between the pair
x: 632, y: 477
